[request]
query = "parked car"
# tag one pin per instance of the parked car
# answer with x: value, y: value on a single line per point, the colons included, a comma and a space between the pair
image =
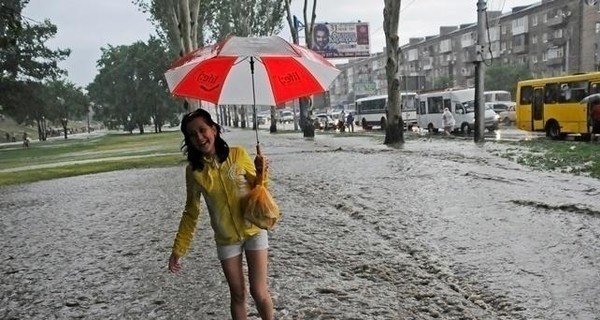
x: 263, y: 118
x: 286, y: 117
x: 500, y: 106
x: 508, y: 116
x: 324, y: 121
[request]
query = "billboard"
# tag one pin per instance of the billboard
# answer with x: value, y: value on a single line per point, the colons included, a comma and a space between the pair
x: 341, y: 40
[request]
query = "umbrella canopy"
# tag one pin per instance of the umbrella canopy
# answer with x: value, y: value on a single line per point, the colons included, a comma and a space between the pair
x: 222, y: 74
x: 595, y: 97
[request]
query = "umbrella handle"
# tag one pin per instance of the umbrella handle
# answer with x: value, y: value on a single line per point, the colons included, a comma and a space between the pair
x: 258, y: 152
x: 260, y: 176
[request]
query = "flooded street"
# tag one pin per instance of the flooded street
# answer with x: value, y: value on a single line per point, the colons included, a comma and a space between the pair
x: 435, y: 229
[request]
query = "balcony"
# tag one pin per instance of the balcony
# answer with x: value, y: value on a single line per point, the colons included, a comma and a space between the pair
x: 555, y: 61
x: 559, y: 42
x: 520, y: 49
x: 556, y: 21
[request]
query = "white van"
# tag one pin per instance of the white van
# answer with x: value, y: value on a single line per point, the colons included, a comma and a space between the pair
x: 372, y: 111
x: 460, y: 102
x: 499, y: 100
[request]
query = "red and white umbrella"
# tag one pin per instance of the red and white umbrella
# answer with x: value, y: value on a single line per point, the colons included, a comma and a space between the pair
x: 250, y: 70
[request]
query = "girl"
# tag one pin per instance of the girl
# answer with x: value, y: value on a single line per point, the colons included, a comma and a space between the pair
x: 224, y: 176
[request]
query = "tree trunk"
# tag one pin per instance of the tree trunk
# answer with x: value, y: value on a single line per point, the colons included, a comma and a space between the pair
x: 236, y: 119
x: 273, y: 127
x: 306, y: 124
x: 243, y: 116
x: 64, y: 125
x: 394, y: 128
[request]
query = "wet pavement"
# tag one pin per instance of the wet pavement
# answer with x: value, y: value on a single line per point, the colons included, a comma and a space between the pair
x: 434, y: 229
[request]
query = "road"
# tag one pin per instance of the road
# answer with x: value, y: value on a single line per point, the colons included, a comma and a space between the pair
x: 434, y: 229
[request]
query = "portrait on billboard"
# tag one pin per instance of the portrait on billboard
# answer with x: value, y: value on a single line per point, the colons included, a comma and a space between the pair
x: 321, y: 40
x: 341, y: 40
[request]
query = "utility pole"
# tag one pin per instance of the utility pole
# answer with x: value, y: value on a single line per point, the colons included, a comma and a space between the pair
x: 480, y: 72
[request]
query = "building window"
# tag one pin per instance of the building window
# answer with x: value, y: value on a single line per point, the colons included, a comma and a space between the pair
x: 534, y: 39
x: 597, y: 27
x: 534, y: 59
x: 544, y: 37
x: 534, y: 20
x: 558, y: 33
x: 504, y: 29
x: 523, y: 60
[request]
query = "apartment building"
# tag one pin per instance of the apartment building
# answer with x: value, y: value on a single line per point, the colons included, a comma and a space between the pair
x: 551, y: 37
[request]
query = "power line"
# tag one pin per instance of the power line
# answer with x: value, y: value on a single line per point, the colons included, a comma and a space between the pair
x: 401, y: 9
x: 6, y: 10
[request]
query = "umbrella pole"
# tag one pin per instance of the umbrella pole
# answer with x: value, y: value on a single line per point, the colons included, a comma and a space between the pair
x: 254, y: 103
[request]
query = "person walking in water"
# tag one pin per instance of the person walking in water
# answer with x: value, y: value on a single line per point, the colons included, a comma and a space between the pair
x: 341, y: 121
x: 25, y: 139
x: 224, y: 175
x: 448, y: 121
x: 350, y: 121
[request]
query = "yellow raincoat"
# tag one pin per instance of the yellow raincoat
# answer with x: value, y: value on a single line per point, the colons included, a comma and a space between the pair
x: 224, y: 186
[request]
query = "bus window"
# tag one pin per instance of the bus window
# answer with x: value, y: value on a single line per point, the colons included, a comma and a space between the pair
x: 572, y: 92
x: 526, y: 95
x: 434, y: 105
x: 580, y: 90
x: 422, y: 109
x: 594, y: 88
x: 551, y: 93
x: 488, y: 97
x: 447, y: 104
x: 538, y: 104
x: 458, y: 109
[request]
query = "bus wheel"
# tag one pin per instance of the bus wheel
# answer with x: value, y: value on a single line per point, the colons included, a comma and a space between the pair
x: 382, y: 123
x: 430, y: 128
x: 586, y: 137
x: 365, y: 126
x: 465, y: 128
x: 553, y: 130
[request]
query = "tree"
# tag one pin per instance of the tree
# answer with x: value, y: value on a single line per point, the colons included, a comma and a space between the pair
x: 129, y: 89
x: 25, y: 62
x: 65, y: 101
x: 248, y: 18
x: 505, y: 77
x: 443, y: 82
x: 187, y: 24
x: 306, y: 122
x: 394, y: 129
x: 180, y: 23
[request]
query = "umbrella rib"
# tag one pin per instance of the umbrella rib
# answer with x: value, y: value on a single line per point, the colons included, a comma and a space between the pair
x: 246, y: 58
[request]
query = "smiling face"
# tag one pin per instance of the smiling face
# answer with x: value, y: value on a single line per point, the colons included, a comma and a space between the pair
x: 321, y: 38
x: 202, y: 135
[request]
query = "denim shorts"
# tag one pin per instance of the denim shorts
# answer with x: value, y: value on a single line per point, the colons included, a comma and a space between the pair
x: 258, y: 242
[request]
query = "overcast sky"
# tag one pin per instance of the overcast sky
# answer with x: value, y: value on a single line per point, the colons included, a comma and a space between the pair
x: 84, y: 26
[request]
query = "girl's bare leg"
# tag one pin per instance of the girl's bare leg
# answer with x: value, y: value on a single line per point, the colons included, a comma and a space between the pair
x: 259, y: 288
x: 234, y: 274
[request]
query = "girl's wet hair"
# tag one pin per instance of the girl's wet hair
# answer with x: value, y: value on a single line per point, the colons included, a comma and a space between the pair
x: 194, y: 156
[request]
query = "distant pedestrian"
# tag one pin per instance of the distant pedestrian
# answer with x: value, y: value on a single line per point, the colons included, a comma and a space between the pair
x: 224, y: 175
x: 350, y: 121
x: 7, y: 137
x: 448, y: 121
x: 25, y: 140
x: 341, y: 121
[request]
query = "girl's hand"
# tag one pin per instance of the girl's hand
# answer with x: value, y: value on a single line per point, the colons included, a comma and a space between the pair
x: 174, y: 263
x: 260, y: 163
